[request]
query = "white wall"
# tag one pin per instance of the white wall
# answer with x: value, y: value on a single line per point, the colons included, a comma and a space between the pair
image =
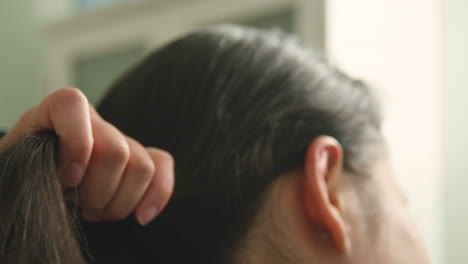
x: 394, y: 46
x: 21, y: 74
x: 22, y: 60
x: 49, y: 10
x: 455, y: 132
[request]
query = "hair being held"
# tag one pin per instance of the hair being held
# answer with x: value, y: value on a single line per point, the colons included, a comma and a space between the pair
x: 35, y: 224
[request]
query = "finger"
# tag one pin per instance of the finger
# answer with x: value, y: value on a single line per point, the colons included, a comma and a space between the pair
x: 65, y: 111
x: 160, y: 189
x: 109, y: 157
x: 135, y: 180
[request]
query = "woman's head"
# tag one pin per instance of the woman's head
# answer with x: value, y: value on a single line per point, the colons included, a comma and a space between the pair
x: 278, y: 155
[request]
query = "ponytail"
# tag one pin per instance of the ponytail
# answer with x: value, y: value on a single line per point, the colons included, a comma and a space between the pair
x: 35, y: 223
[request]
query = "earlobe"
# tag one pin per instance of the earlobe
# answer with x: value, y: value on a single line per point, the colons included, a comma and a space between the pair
x: 323, y: 205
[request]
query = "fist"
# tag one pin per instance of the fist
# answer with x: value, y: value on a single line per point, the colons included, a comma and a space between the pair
x: 112, y: 174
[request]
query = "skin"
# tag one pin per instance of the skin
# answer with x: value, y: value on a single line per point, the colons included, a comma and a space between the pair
x: 113, y: 175
x: 320, y: 213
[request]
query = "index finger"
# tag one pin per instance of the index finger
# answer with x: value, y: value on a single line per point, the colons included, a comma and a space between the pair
x: 67, y: 112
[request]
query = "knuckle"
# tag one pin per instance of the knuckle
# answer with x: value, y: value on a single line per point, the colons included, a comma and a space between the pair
x: 162, y: 156
x: 120, y: 153
x: 142, y: 170
x: 113, y: 153
x: 70, y: 95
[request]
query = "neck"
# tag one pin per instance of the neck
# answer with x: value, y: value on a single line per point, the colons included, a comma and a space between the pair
x: 282, y: 232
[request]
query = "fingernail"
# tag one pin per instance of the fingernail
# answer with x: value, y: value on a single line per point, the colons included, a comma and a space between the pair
x: 147, y: 215
x: 73, y: 174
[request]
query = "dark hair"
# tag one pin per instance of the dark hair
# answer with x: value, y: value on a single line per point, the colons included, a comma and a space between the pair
x: 236, y: 108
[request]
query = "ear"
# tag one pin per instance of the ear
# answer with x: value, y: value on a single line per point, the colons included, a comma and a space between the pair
x: 323, y: 167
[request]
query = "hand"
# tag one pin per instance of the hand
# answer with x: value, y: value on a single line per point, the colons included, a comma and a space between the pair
x: 114, y: 174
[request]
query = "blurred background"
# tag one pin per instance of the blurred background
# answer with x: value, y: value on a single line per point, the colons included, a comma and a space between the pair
x: 412, y: 51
